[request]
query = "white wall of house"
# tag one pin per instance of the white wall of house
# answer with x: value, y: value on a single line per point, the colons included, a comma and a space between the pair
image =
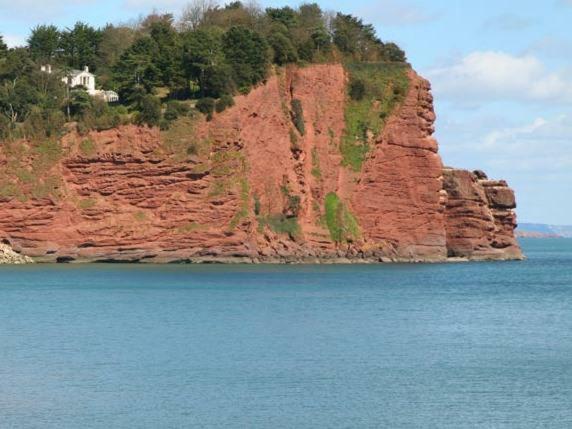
x: 84, y: 78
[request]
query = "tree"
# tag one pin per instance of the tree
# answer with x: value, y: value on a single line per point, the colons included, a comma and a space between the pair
x: 135, y: 73
x: 247, y: 53
x: 80, y: 46
x: 352, y: 36
x: 149, y: 111
x: 44, y: 42
x: 204, y: 62
x: 3, y: 48
x: 115, y: 40
x: 285, y: 16
x: 17, y: 63
x: 234, y: 14
x: 322, y: 40
x: 392, y: 52
x: 284, y: 50
x: 80, y: 102
x: 195, y: 12
x: 169, y: 52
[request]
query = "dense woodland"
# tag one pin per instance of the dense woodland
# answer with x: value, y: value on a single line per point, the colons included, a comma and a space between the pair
x: 159, y: 63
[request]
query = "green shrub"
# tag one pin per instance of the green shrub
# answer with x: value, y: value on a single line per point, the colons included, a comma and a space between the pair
x: 357, y: 89
x: 257, y: 206
x: 149, y: 111
x: 41, y: 124
x: 294, y: 146
x: 281, y: 224
x: 206, y: 107
x: 175, y: 109
x: 385, y: 85
x: 171, y: 112
x: 120, y: 110
x: 316, y: 172
x: 224, y: 102
x: 87, y: 147
x: 298, y: 116
x: 342, y: 224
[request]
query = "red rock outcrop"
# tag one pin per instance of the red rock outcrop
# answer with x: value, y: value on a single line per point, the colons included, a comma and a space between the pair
x: 209, y: 191
x: 480, y: 218
x: 399, y: 199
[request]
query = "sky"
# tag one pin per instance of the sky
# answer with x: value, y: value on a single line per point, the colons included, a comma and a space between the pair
x: 501, y: 72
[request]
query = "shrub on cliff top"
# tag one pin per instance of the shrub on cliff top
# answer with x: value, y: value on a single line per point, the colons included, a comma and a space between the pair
x: 206, y: 106
x: 223, y: 103
x: 381, y: 88
x: 149, y: 111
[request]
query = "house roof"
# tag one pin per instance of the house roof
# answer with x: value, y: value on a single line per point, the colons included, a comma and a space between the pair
x: 74, y: 73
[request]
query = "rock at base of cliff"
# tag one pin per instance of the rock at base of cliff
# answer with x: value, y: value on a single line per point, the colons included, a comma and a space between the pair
x: 8, y: 256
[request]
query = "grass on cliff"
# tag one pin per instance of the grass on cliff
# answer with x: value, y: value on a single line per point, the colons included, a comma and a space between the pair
x: 341, y: 222
x: 29, y: 171
x: 375, y: 90
x: 281, y: 224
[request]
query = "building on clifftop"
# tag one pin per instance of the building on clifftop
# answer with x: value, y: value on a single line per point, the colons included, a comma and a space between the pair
x: 84, y: 78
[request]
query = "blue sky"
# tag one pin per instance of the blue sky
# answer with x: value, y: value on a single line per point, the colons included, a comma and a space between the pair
x: 501, y: 72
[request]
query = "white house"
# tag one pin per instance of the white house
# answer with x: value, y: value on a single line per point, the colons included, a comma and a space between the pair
x: 86, y: 79
x: 81, y: 77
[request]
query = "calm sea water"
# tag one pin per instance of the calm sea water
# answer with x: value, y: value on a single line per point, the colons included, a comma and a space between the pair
x: 399, y: 346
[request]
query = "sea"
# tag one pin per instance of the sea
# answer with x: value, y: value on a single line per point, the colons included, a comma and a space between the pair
x: 459, y: 345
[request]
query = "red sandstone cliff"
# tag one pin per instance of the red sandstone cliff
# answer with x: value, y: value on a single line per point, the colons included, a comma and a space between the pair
x: 137, y: 194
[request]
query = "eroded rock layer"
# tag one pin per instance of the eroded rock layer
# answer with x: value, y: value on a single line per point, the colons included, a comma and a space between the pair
x: 480, y: 218
x: 249, y: 187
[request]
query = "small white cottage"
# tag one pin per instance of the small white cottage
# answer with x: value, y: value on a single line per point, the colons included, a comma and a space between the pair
x: 81, y: 77
x: 86, y: 79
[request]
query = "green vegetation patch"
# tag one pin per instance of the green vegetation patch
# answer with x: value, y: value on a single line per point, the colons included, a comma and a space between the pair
x: 298, y: 116
x: 242, y: 212
x: 341, y: 222
x: 375, y: 90
x: 316, y: 172
x: 87, y: 147
x: 87, y: 203
x: 180, y: 142
x: 140, y: 216
x: 189, y: 227
x: 46, y: 154
x: 281, y: 224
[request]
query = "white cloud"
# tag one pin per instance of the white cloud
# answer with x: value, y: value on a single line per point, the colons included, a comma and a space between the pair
x: 498, y: 76
x: 534, y: 156
x: 542, y: 144
x: 513, y: 134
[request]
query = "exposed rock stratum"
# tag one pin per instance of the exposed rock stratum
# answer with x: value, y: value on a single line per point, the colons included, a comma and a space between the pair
x: 243, y: 188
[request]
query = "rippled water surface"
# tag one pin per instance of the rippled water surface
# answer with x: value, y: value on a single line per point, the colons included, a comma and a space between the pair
x: 398, y: 346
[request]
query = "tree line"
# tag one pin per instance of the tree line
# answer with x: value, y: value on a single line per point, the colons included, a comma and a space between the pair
x: 210, y: 52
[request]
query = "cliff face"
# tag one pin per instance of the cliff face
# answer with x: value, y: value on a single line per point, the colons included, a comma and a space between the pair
x: 480, y: 220
x: 247, y: 186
